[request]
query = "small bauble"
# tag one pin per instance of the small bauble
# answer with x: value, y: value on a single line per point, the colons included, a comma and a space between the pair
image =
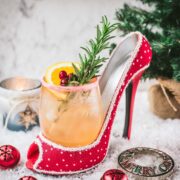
x: 9, y: 156
x: 114, y: 174
x: 27, y: 178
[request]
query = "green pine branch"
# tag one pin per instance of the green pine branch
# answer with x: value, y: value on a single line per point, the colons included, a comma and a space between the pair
x: 91, y: 60
x: 161, y: 27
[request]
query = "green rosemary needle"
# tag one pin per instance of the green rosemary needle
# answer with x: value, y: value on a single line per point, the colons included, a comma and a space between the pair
x: 91, y: 60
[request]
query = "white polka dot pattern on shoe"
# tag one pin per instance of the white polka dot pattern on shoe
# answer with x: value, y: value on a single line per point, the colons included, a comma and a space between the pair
x: 70, y: 161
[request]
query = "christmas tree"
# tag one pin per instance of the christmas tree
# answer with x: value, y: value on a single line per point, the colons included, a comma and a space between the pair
x: 161, y: 26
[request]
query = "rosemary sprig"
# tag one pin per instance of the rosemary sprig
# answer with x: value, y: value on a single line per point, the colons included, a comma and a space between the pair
x: 91, y: 61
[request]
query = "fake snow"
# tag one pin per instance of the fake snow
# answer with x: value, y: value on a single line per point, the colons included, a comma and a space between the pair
x: 148, y: 130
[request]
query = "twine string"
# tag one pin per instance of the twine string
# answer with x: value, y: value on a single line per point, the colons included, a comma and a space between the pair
x: 167, y: 98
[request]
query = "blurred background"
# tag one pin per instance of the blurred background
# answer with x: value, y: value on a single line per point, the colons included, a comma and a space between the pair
x: 36, y: 33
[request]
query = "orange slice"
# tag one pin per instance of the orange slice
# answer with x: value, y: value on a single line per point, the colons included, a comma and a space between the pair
x: 52, y: 76
x: 52, y: 73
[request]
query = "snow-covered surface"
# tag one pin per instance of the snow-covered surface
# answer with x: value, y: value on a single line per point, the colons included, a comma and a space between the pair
x: 148, y: 130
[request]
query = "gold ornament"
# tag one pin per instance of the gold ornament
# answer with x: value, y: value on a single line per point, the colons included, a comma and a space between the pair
x: 28, y: 117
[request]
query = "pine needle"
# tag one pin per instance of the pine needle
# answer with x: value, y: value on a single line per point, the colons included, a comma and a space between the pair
x: 91, y: 61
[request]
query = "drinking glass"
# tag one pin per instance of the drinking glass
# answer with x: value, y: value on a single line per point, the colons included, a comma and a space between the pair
x: 71, y: 116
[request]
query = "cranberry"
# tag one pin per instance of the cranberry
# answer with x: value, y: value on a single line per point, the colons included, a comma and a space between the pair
x: 70, y: 76
x: 63, y: 74
x: 64, y: 82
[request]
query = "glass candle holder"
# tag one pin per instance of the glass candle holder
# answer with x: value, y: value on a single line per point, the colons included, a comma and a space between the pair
x: 19, y: 101
x: 71, y: 116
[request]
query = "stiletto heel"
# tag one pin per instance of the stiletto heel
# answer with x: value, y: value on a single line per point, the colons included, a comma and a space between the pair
x: 130, y: 98
x: 124, y: 70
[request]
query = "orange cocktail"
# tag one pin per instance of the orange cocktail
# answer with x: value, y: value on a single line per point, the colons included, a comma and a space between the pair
x: 71, y: 116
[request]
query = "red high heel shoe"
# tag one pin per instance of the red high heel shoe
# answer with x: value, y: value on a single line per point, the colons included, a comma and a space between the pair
x: 129, y: 59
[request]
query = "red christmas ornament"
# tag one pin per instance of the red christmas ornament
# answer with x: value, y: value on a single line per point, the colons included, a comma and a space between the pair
x: 114, y: 174
x: 9, y: 156
x: 27, y: 178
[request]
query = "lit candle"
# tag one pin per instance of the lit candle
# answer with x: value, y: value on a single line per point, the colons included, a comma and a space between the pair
x: 20, y: 84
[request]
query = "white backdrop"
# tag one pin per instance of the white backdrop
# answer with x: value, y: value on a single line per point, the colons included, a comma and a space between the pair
x: 36, y: 33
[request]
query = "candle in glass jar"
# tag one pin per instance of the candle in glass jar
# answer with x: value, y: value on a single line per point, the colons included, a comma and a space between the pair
x: 19, y: 98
